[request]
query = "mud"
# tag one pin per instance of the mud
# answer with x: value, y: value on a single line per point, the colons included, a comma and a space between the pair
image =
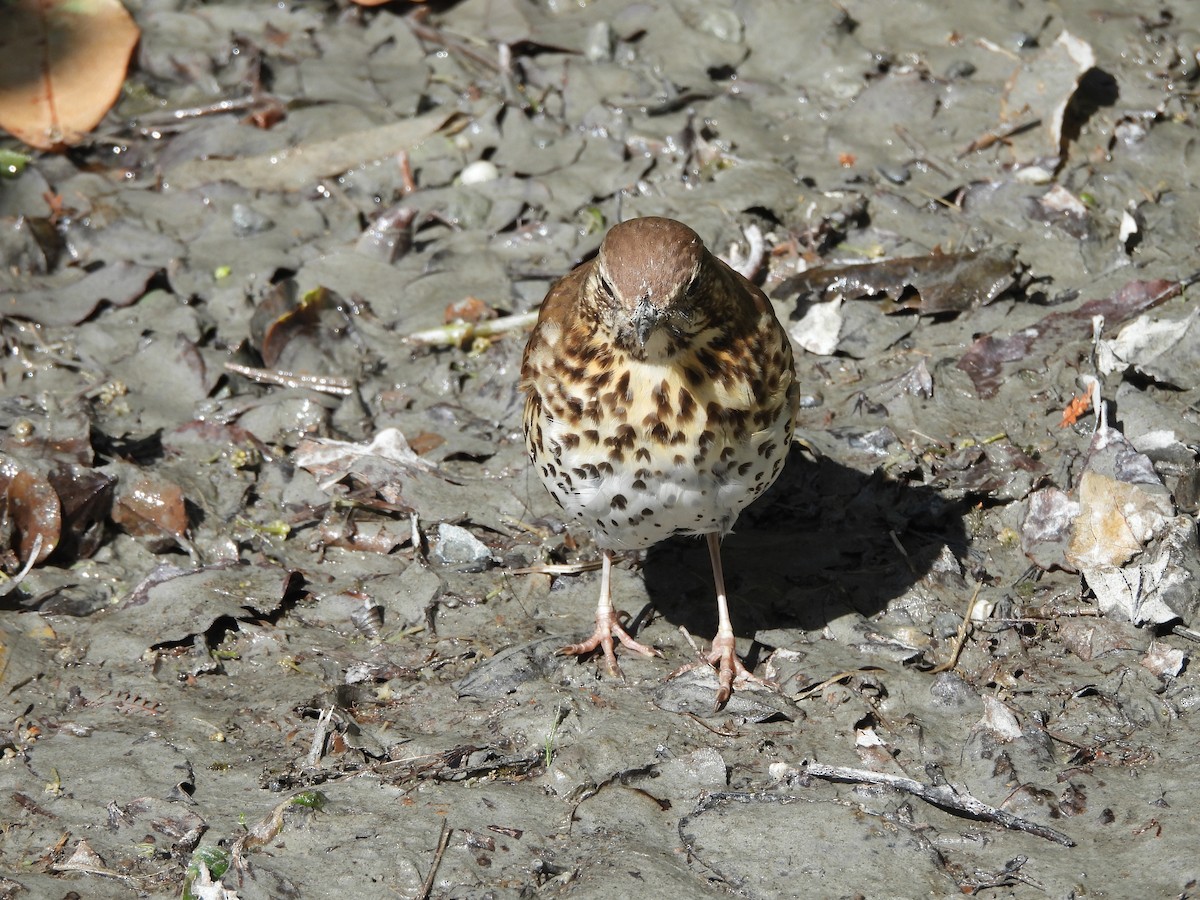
x: 337, y: 676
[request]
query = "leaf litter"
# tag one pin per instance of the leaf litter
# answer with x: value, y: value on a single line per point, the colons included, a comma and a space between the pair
x: 268, y: 506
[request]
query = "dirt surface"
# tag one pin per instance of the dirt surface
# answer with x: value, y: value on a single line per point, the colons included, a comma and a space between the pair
x: 327, y: 669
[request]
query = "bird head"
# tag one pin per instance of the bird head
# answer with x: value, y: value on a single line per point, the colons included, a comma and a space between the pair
x: 648, y: 284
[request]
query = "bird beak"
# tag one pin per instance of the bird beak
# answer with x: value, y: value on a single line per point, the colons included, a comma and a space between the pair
x: 645, y: 319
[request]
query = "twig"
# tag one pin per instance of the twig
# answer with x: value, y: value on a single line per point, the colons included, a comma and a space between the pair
x: 453, y: 44
x: 988, y: 138
x: 903, y: 553
x: 408, y: 184
x: 318, y: 742
x: 1184, y: 632
x: 457, y: 333
x: 329, y: 384
x: 943, y: 796
x: 699, y: 721
x: 443, y: 842
x: 558, y: 568
x: 806, y: 692
x: 961, y: 640
x: 34, y: 552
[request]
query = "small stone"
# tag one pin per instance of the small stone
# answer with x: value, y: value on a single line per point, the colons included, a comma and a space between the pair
x: 600, y: 43
x: 478, y: 172
x: 247, y: 221
x: 950, y: 691
x: 455, y: 546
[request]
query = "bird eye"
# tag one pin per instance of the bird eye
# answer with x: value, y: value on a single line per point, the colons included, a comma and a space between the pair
x: 604, y: 287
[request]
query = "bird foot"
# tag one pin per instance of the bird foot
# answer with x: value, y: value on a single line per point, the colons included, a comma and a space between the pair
x: 730, y: 669
x: 608, y: 626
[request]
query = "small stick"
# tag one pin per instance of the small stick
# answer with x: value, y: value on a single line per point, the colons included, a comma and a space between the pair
x: 806, y: 692
x: 961, y: 640
x: 1185, y: 632
x: 558, y: 568
x: 433, y: 35
x: 318, y: 742
x: 408, y: 184
x: 458, y: 333
x: 989, y: 138
x: 443, y: 842
x: 903, y: 553
x: 943, y: 796
x: 330, y: 384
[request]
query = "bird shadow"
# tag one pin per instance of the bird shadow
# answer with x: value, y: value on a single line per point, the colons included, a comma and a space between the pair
x: 824, y: 541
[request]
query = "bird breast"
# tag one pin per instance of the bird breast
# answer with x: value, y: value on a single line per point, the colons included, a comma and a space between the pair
x: 639, y: 450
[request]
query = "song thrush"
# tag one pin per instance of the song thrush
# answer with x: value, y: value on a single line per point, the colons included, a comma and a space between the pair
x: 660, y: 394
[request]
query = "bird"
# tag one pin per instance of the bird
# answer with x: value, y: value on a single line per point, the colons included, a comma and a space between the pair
x: 660, y: 398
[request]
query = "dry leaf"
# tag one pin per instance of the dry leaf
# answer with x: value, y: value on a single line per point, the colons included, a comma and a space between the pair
x: 932, y: 285
x: 298, y: 167
x: 150, y: 507
x: 62, y: 64
x: 990, y: 360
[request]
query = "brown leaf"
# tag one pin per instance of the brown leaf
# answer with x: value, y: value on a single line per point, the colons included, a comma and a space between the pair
x: 85, y: 499
x: 284, y: 315
x: 990, y: 361
x: 150, y: 507
x: 931, y: 285
x: 32, y: 506
x: 62, y: 63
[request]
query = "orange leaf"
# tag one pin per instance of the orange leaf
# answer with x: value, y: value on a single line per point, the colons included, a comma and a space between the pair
x: 62, y: 63
x: 1076, y: 408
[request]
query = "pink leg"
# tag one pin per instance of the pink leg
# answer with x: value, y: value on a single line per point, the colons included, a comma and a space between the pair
x: 608, y: 626
x: 723, y: 656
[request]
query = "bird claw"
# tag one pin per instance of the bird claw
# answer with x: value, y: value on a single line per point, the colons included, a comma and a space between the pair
x: 730, y: 670
x: 608, y: 626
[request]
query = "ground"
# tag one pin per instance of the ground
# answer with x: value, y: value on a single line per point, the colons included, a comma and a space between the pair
x: 328, y: 669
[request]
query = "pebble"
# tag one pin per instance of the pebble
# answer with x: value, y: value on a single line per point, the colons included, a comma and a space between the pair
x: 478, y: 172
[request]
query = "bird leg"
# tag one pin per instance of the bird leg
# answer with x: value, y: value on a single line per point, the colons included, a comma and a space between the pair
x: 723, y: 655
x: 608, y: 626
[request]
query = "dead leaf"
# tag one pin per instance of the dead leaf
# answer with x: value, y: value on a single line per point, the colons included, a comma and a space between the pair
x: 85, y: 499
x: 1163, y: 660
x: 1164, y: 586
x: 1168, y: 350
x: 990, y: 361
x: 1000, y: 470
x: 1116, y: 520
x: 62, y: 64
x: 32, y: 506
x: 151, y: 508
x: 284, y: 315
x: 385, y: 475
x: 1046, y: 527
x: 931, y: 285
x: 298, y: 167
x: 1076, y: 408
x: 1140, y: 559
